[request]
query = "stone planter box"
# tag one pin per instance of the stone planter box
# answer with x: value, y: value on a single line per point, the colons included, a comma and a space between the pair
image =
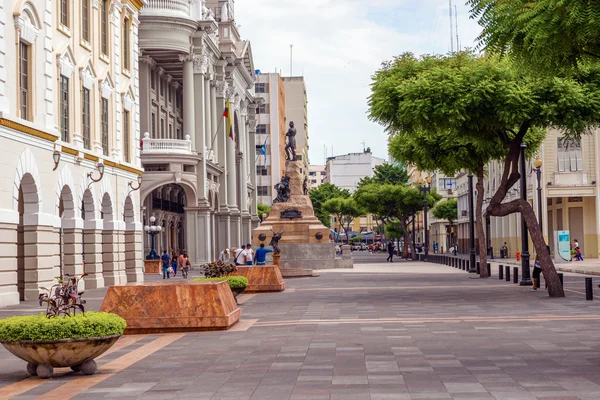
x: 152, y: 267
x: 161, y: 307
x: 262, y: 278
x: 78, y: 354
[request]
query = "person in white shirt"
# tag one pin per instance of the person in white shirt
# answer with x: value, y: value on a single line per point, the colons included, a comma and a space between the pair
x: 224, y: 256
x: 240, y: 255
x: 249, y: 255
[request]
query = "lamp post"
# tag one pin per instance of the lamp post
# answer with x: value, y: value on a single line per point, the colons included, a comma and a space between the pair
x: 152, y: 230
x: 525, y: 273
x: 472, y: 265
x: 538, y: 172
x: 425, y: 187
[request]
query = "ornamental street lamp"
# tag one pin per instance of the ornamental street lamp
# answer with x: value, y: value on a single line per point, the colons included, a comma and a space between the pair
x: 472, y: 266
x: 538, y: 172
x: 525, y: 273
x: 152, y: 230
x: 425, y: 187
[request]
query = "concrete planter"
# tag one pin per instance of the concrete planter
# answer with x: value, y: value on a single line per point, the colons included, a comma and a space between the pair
x: 78, y: 354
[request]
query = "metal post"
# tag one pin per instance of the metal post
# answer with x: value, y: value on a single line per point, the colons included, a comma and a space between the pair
x: 425, y: 223
x: 538, y: 172
x: 516, y: 275
x: 413, y: 252
x: 589, y: 291
x: 471, y: 226
x: 526, y: 276
x: 501, y: 272
x: 507, y: 273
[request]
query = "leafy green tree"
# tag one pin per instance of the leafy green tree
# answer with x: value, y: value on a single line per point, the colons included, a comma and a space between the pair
x: 323, y: 193
x: 262, y: 209
x: 448, y: 211
x: 482, y: 99
x: 345, y: 210
x: 357, y: 239
x: 386, y: 174
x: 548, y: 35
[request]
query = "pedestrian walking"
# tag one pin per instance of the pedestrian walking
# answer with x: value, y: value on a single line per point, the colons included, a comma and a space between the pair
x: 578, y: 255
x: 181, y: 260
x: 260, y: 256
x: 240, y: 255
x: 165, y: 265
x: 185, y: 266
x: 537, y: 271
x: 174, y: 262
x: 390, y: 249
x: 249, y: 255
x: 224, y: 256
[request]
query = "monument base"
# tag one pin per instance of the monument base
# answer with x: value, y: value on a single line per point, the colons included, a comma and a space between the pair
x: 152, y: 267
x: 161, y: 307
x: 262, y: 278
x: 312, y: 256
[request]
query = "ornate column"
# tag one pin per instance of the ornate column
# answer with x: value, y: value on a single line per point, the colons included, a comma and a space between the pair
x: 189, y: 122
x: 134, y: 252
x: 72, y: 247
x: 92, y: 232
x: 214, y: 122
x: 224, y: 219
x: 252, y: 135
x: 232, y: 177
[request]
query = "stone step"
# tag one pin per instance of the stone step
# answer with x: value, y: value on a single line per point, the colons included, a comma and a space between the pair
x: 297, y: 273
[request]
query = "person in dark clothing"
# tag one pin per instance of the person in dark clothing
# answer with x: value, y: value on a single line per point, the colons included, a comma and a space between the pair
x: 165, y: 265
x: 390, y: 248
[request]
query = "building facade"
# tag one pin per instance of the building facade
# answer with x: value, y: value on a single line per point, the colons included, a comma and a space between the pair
x: 296, y: 110
x: 270, y: 135
x: 198, y: 115
x: 347, y: 170
x: 69, y: 118
x: 317, y: 175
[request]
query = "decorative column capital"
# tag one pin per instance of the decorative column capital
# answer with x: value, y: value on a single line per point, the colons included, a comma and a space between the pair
x: 222, y: 88
x: 148, y: 60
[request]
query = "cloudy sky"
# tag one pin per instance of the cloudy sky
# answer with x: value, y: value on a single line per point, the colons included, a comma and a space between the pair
x: 338, y: 45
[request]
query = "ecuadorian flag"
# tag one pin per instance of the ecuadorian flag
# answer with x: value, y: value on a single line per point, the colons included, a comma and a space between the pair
x: 227, y: 114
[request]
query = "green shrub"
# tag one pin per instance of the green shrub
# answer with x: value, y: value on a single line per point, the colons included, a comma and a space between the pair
x: 235, y: 282
x: 40, y: 327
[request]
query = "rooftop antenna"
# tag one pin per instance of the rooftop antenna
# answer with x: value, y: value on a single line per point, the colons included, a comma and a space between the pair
x: 291, y: 59
x: 456, y: 19
x: 364, y: 145
x: 451, y: 29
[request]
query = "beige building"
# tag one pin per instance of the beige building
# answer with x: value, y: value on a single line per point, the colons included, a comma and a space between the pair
x: 270, y: 132
x: 296, y: 110
x: 317, y: 175
x: 69, y: 118
x: 200, y: 166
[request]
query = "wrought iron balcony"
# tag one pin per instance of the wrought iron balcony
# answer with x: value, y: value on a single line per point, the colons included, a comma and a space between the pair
x: 166, y: 146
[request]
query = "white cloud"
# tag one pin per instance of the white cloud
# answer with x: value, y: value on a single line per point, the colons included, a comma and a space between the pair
x: 338, y: 45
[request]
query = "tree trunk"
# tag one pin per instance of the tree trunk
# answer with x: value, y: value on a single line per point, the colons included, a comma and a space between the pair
x: 406, y: 236
x: 483, y: 272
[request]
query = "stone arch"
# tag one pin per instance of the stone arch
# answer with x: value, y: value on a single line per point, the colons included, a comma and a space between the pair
x: 28, y: 12
x: 128, y: 195
x: 106, y: 207
x: 27, y: 179
x: 128, y: 210
x: 65, y: 192
x: 88, y: 206
x: 190, y: 191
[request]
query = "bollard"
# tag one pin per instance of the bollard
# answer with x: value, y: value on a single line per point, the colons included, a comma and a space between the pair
x: 501, y: 272
x: 478, y: 268
x: 464, y: 265
x: 560, y: 277
x: 489, y: 269
x: 589, y: 292
x: 537, y: 283
x: 507, y: 273
x: 516, y: 275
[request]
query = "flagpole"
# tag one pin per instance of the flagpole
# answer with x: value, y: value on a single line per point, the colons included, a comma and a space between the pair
x: 212, y: 142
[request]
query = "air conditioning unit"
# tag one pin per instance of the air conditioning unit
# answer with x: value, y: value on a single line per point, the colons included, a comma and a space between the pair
x: 464, y: 213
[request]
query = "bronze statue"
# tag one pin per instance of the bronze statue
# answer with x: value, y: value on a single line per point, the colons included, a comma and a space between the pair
x: 283, y: 190
x: 290, y: 148
x: 305, y: 186
x: 275, y: 241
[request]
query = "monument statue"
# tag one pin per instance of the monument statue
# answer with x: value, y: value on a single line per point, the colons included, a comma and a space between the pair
x: 290, y: 148
x: 283, y: 190
x: 275, y: 241
x: 305, y: 186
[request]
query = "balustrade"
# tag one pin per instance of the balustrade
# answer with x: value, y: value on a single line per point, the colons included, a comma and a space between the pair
x: 166, y: 146
x: 167, y: 8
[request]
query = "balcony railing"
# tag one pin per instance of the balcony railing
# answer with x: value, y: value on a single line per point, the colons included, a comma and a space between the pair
x: 166, y: 146
x: 166, y: 205
x: 168, y: 8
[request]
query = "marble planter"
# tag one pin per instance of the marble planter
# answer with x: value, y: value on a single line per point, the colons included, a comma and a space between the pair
x: 262, y: 278
x: 78, y: 354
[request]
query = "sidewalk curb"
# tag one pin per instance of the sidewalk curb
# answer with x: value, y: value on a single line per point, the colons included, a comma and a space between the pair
x: 559, y: 269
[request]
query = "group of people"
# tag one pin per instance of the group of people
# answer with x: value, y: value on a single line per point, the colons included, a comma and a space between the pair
x: 578, y: 255
x: 245, y: 255
x: 171, y: 263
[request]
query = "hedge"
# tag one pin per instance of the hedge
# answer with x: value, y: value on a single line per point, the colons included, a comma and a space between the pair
x: 40, y: 327
x: 235, y: 282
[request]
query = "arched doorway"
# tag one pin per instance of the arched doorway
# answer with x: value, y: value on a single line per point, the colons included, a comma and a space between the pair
x: 28, y: 207
x: 133, y: 244
x: 113, y: 266
x: 71, y: 232
x: 92, y: 241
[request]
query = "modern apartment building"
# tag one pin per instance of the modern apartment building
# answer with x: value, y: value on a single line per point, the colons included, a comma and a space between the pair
x: 198, y: 115
x: 345, y: 171
x: 270, y: 135
x: 317, y: 175
x: 296, y: 110
x: 69, y: 118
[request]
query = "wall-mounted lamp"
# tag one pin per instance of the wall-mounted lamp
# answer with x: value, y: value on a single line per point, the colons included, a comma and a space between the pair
x: 139, y: 184
x: 56, y: 158
x: 593, y: 182
x: 100, y: 168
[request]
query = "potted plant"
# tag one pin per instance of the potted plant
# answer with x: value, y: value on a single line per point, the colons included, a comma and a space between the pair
x: 237, y: 284
x: 64, y: 336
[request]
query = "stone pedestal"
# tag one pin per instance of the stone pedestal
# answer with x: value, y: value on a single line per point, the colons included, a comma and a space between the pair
x: 152, y: 267
x: 173, y: 306
x: 263, y: 278
x: 277, y: 260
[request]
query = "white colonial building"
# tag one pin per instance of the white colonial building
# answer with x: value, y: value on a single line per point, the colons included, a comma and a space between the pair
x: 69, y: 129
x: 199, y: 183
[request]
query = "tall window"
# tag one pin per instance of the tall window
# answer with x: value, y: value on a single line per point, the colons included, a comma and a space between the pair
x: 104, y: 27
x: 126, y: 136
x: 153, y: 125
x: 162, y: 128
x: 64, y: 12
x: 153, y: 79
x: 261, y: 129
x: 64, y: 108
x: 570, y: 156
x: 85, y: 118
x: 126, y: 43
x: 260, y: 88
x: 85, y: 20
x: 104, y: 123
x: 24, y: 80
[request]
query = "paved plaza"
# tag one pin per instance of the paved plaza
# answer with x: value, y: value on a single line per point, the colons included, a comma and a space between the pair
x: 399, y: 331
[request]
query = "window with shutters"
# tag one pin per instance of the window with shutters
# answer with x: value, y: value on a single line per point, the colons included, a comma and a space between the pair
x: 85, y: 20
x: 126, y: 44
x: 570, y: 155
x: 24, y: 81
x: 85, y: 118
x: 126, y: 142
x: 64, y: 13
x: 104, y: 27
x: 64, y: 108
x: 104, y: 125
